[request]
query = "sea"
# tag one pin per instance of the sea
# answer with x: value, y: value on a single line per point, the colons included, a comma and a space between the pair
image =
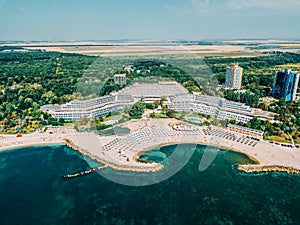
x: 33, y: 190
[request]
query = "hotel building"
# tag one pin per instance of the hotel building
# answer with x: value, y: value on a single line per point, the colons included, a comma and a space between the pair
x: 151, y: 92
x: 95, y: 107
x: 234, y: 75
x: 285, y: 84
x: 216, y: 107
x: 178, y: 100
x: 246, y: 131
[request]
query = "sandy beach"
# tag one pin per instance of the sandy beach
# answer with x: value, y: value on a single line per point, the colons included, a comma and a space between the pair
x: 11, y: 141
x: 122, y: 152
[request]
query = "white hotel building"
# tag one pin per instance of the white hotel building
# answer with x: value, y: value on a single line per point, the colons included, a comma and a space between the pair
x: 178, y: 100
x: 95, y: 107
x: 216, y: 107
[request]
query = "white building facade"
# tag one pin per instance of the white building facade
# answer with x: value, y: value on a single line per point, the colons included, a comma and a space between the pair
x: 216, y: 107
x: 178, y: 100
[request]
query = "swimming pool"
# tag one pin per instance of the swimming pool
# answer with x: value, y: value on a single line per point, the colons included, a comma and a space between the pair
x: 194, y: 120
x: 111, y: 122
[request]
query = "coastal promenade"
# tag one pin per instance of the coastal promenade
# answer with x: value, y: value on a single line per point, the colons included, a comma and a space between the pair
x: 122, y: 152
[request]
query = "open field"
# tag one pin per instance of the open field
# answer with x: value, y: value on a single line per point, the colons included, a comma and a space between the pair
x: 245, y: 54
x: 223, y: 50
x: 229, y: 49
x: 290, y: 45
x: 291, y: 66
x: 131, y: 48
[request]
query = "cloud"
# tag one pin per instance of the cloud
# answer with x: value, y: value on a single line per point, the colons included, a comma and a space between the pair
x: 240, y: 5
x: 262, y: 4
x: 22, y: 9
x: 169, y: 7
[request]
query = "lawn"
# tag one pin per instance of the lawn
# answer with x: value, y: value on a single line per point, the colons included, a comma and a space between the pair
x: 279, y: 139
x: 160, y: 116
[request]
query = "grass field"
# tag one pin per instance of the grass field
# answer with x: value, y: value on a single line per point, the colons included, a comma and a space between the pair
x: 279, y: 139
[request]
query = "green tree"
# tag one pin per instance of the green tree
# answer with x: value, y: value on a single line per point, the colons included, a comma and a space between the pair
x: 255, y: 123
x: 162, y: 100
x: 137, y: 110
x: 171, y: 113
x: 156, y: 104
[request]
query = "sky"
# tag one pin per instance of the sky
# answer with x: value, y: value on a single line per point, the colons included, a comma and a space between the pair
x: 54, y: 20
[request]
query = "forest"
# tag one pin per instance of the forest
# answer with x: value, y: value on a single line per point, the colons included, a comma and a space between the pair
x: 31, y: 79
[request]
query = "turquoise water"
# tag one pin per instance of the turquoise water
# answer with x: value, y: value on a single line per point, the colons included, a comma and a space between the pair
x: 32, y: 191
x: 111, y: 122
x: 194, y: 120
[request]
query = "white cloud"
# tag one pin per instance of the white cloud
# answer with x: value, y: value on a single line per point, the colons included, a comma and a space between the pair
x: 262, y: 4
x: 22, y: 9
x: 239, y: 5
x: 203, y: 5
x: 169, y: 7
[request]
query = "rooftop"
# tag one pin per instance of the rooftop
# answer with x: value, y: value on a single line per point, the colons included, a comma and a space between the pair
x: 154, y: 89
x: 245, y: 129
x: 234, y: 66
x: 120, y: 75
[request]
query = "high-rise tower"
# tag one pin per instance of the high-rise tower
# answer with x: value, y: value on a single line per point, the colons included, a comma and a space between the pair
x: 285, y: 84
x: 234, y: 75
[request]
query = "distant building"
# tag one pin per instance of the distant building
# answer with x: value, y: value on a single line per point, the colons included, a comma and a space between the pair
x: 234, y: 75
x: 129, y: 69
x: 285, y: 84
x: 120, y: 79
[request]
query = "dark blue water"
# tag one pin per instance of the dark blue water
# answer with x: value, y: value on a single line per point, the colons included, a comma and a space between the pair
x: 32, y: 191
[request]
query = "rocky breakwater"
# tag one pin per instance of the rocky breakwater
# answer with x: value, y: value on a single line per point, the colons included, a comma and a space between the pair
x: 263, y: 169
x: 133, y: 166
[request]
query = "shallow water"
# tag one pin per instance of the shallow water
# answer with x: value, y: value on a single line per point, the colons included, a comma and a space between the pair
x: 33, y: 191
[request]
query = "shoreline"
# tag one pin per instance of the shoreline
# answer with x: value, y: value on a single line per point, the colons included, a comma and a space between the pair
x: 245, y: 168
x: 71, y: 145
x: 118, y: 153
x: 20, y: 146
